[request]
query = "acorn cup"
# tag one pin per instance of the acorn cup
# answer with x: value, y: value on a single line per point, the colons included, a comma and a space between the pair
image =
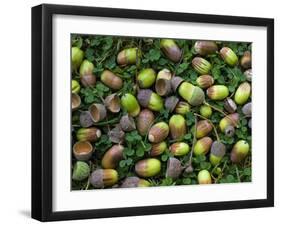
x: 127, y: 123
x: 239, y: 151
x: 204, y: 177
x: 77, y: 56
x: 88, y: 80
x: 111, y: 80
x: 205, y: 81
x: 248, y: 74
x: 145, y: 121
x: 175, y: 82
x: 182, y: 108
x: 229, y: 120
x: 228, y: 56
x: 132, y: 182
x: 75, y: 101
x: 130, y: 104
x: 91, y: 134
x: 230, y: 105
x: 146, y: 78
x: 112, y: 103
x: 158, y: 149
x: 217, y: 92
x: 247, y: 109
x: 128, y: 56
x: 102, y: 178
x: 163, y: 87
x: 171, y: 50
x: 75, y: 86
x: 174, y: 168
x: 149, y: 99
x: 243, y: 93
x: 179, y: 148
x: 246, y: 60
x: 148, y: 167
x: 82, y: 150
x: 229, y: 131
x: 86, y: 68
x: 116, y: 135
x: 202, y: 146
x: 98, y: 112
x: 201, y: 66
x: 177, y: 126
x: 85, y: 119
x: 194, y: 95
x: 112, y: 157
x: 204, y: 127
x: 81, y: 171
x: 158, y: 132
x: 206, y: 111
x: 171, y: 103
x: 205, y: 48
x: 218, y: 150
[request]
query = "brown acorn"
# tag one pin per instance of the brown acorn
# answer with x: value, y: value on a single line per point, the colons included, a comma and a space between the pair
x: 230, y: 105
x: 128, y: 56
x: 231, y: 119
x: 202, y: 146
x: 218, y: 150
x: 116, y: 135
x: 201, y: 65
x: 148, y: 99
x: 132, y: 182
x: 88, y: 80
x: 239, y: 151
x: 176, y: 81
x: 171, y: 49
x: 158, y: 149
x: 91, y: 134
x: 246, y: 60
x: 101, y: 178
x: 85, y: 119
x: 177, y: 126
x: 148, y: 167
x: 205, y: 81
x: 204, y: 127
x: 174, y: 168
x: 158, y: 132
x: 145, y: 121
x: 204, y: 48
x: 111, y: 80
x: 112, y: 157
x: 75, y: 101
x: 247, y: 109
x: 171, y: 102
x: 98, y: 112
x: 112, y: 102
x: 127, y: 123
x: 82, y: 150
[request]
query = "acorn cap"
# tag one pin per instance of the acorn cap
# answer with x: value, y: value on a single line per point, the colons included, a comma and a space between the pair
x: 112, y: 102
x: 82, y: 150
x: 81, y: 171
x: 176, y: 81
x: 171, y: 102
x: 98, y: 112
x: 248, y: 74
x: 75, y: 101
x: 163, y: 87
x: 174, y: 168
x: 218, y: 149
x: 144, y: 97
x: 132, y: 182
x: 247, y: 109
x: 127, y: 123
x: 85, y: 119
x: 144, y: 121
x: 230, y: 105
x: 229, y: 131
x: 116, y: 135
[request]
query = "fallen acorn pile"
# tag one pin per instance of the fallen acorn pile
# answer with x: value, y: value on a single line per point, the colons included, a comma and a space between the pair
x: 159, y: 112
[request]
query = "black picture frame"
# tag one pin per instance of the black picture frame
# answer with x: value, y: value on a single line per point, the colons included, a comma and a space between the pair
x: 42, y: 111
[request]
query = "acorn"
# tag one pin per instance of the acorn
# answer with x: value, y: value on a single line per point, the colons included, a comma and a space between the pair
x: 202, y: 146
x: 229, y: 131
x: 77, y: 56
x: 217, y: 92
x: 230, y: 105
x: 205, y: 81
x: 112, y: 103
x: 88, y: 80
x: 75, y: 86
x: 145, y: 121
x: 204, y: 127
x: 163, y: 87
x: 218, y: 150
x: 228, y: 56
x: 132, y: 182
x: 171, y: 50
x: 164, y: 74
x: 112, y: 157
x: 182, y: 108
x: 82, y: 150
x: 194, y: 95
x: 204, y: 48
x: 189, y: 169
x: 116, y: 135
x: 91, y: 134
x: 158, y: 132
x: 81, y: 171
x: 174, y: 168
x: 239, y: 151
x: 248, y: 74
x: 158, y: 149
x: 171, y: 102
x: 231, y: 119
x: 149, y: 99
x: 86, y: 68
x: 127, y: 123
x: 101, y: 178
x: 247, y: 109
x: 111, y: 80
x: 175, y: 82
x: 204, y: 177
x: 128, y: 56
x: 201, y: 65
x: 130, y: 104
x: 206, y: 111
x: 148, y: 167
x: 98, y: 112
x: 246, y: 60
x: 146, y: 78
x: 179, y: 148
x: 177, y: 126
x: 85, y: 119
x: 243, y: 92
x: 75, y: 101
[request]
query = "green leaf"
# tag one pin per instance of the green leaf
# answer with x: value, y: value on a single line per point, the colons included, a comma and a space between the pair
x: 122, y: 163
x: 89, y: 54
x: 187, y: 181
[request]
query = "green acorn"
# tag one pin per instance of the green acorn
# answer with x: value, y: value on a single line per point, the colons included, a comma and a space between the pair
x: 204, y: 177
x: 146, y: 78
x: 101, y: 178
x: 174, y: 168
x: 206, y: 111
x: 229, y: 56
x: 130, y: 104
x: 111, y: 80
x: 179, y: 148
x: 243, y: 93
x: 202, y: 146
x: 112, y: 157
x: 158, y: 149
x: 132, y: 182
x: 177, y: 126
x: 151, y: 100
x: 182, y: 108
x: 171, y: 49
x: 204, y: 48
x: 205, y: 81
x: 129, y: 56
x: 218, y: 150
x: 144, y: 121
x: 148, y: 167
x: 201, y: 65
x: 82, y: 150
x: 81, y: 171
x: 192, y: 94
x: 204, y: 127
x: 77, y: 56
x: 86, y: 68
x: 246, y: 60
x: 217, y: 92
x: 91, y: 134
x: 229, y: 120
x: 239, y: 151
x: 75, y: 86
x: 158, y: 132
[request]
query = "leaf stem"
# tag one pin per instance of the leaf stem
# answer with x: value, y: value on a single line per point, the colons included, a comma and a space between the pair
x: 237, y: 173
x: 193, y: 141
